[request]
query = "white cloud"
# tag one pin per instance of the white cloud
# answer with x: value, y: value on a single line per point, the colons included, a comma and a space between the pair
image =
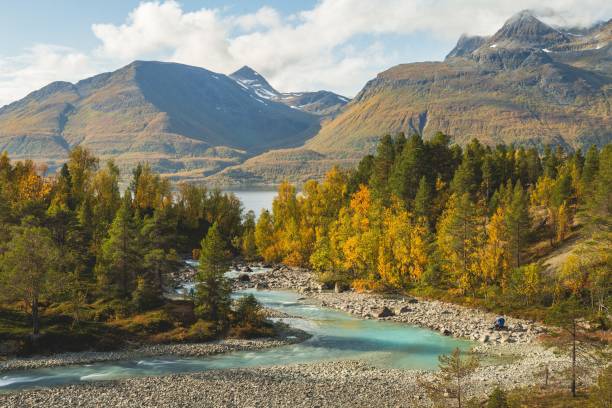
x: 336, y: 45
x: 309, y: 50
x: 37, y: 67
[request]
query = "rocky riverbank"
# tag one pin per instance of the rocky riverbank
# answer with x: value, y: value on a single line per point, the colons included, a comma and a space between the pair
x: 289, y: 336
x: 510, y: 359
x: 446, y: 318
x: 329, y: 384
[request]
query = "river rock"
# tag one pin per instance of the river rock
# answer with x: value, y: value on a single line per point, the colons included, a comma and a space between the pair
x: 244, y: 277
x: 445, y: 331
x: 382, y: 312
x: 402, y: 310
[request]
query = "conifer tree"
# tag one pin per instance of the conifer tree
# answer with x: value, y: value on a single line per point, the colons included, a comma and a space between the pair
x: 590, y: 168
x: 212, y: 295
x: 382, y: 166
x: 407, y: 169
x: 457, y: 239
x: 423, y: 202
x: 518, y: 223
x: 118, y: 263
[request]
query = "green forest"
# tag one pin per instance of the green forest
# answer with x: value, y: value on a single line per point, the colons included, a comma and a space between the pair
x: 83, y: 265
x: 469, y: 225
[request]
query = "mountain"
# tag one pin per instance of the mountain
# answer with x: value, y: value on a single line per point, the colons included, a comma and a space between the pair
x: 184, y: 120
x: 321, y: 103
x: 466, y: 45
x: 528, y: 84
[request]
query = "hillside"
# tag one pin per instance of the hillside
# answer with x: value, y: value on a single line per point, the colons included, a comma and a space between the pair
x: 528, y: 84
x: 180, y: 118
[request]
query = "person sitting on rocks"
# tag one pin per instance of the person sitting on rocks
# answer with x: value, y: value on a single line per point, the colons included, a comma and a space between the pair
x: 500, y: 323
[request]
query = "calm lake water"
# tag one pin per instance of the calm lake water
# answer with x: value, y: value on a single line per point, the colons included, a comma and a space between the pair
x: 255, y: 200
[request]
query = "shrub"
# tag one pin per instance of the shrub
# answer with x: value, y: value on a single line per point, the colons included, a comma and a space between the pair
x: 601, y: 393
x: 145, y: 296
x: 149, y: 323
x: 248, y: 311
x: 201, y: 331
x: 498, y: 399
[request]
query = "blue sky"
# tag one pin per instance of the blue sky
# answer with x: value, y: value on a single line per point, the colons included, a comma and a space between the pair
x: 296, y: 44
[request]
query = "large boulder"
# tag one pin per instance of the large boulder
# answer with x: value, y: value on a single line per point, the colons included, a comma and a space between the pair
x: 243, y: 277
x: 403, y: 310
x: 382, y: 312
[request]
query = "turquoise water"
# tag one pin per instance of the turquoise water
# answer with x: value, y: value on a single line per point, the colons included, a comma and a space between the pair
x: 335, y: 335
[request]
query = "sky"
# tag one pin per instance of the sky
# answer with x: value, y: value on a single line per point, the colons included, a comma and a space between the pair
x: 298, y: 45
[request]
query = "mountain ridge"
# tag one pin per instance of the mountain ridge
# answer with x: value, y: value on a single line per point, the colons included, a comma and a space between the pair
x: 516, y: 92
x: 177, y: 116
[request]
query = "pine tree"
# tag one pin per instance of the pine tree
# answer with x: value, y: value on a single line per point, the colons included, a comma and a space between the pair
x: 118, y: 263
x: 407, y: 170
x: 534, y: 166
x: 457, y: 238
x: 518, y: 223
x: 590, y: 168
x: 423, y: 202
x: 212, y: 295
x: 382, y: 166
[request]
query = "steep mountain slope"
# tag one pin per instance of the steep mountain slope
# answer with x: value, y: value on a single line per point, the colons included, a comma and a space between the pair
x: 529, y: 84
x: 322, y: 103
x: 179, y: 117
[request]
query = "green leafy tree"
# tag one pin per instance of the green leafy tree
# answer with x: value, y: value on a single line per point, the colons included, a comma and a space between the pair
x: 28, y: 269
x: 248, y: 244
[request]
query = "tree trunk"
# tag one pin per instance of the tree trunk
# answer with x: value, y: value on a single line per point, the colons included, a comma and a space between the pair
x: 518, y: 245
x: 35, y: 317
x: 458, y: 392
x: 573, y: 358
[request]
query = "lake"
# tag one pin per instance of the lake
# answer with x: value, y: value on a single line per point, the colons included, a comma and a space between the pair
x: 255, y: 200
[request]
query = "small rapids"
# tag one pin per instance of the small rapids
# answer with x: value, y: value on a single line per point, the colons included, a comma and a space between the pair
x: 336, y: 335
